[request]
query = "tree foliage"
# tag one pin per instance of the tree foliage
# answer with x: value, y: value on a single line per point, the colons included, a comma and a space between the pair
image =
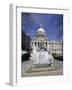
x: 25, y: 42
x: 25, y: 46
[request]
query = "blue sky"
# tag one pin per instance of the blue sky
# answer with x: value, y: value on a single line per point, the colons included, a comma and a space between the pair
x: 52, y: 23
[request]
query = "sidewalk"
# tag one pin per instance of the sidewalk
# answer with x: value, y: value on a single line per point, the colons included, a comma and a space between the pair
x: 58, y: 71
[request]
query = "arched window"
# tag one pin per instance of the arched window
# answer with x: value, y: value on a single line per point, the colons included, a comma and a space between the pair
x: 46, y: 44
x: 38, y: 44
x: 35, y: 43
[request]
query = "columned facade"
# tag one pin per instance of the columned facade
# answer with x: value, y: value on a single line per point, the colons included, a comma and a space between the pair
x: 40, y: 41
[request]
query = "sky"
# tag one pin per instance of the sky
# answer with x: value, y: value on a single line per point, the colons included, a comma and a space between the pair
x: 51, y: 23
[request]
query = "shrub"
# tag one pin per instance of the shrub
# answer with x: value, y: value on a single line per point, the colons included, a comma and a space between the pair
x: 58, y: 57
x: 25, y: 57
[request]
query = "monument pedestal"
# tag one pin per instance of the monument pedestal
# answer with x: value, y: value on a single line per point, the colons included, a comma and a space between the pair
x: 42, y: 57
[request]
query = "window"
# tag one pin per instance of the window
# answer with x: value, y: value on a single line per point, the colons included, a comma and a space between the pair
x: 35, y: 43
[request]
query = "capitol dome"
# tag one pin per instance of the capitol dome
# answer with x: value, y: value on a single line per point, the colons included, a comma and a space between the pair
x: 40, y: 32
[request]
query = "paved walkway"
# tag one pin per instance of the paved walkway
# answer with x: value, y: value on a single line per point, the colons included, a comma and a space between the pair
x: 24, y: 66
x: 27, y: 64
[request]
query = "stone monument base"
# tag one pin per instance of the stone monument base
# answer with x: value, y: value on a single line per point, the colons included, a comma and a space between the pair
x: 42, y: 57
x: 42, y: 67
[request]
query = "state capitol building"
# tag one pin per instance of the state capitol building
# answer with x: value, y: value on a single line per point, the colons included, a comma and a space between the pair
x: 41, y: 42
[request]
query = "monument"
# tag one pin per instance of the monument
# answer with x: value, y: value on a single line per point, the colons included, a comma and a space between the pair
x: 41, y: 57
x: 40, y: 49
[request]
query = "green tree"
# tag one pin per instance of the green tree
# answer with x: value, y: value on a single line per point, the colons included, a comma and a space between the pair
x: 25, y: 45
